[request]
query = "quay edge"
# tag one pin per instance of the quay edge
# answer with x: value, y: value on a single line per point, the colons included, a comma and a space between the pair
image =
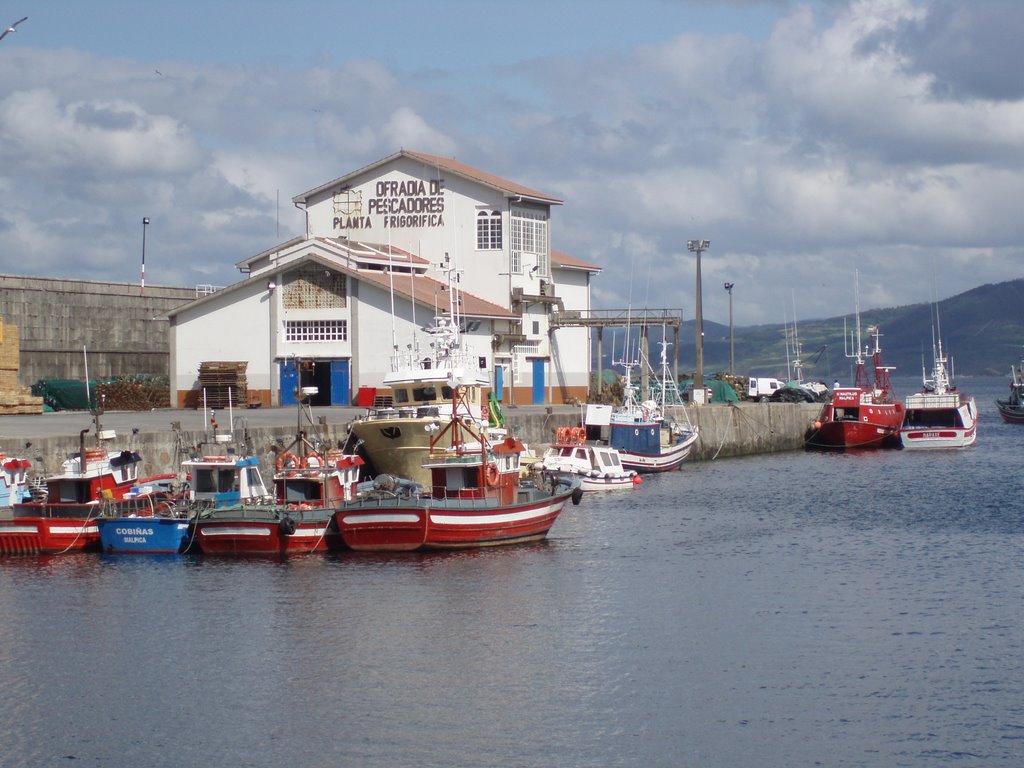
x: 725, y: 431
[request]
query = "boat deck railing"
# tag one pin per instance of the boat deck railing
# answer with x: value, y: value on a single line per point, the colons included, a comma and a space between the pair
x: 922, y: 400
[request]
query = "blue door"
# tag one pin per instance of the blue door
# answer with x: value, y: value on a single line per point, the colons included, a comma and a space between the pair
x: 289, y: 382
x: 340, y: 389
x: 499, y: 382
x: 538, y: 382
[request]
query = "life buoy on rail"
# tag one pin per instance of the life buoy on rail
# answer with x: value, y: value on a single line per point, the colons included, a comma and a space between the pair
x: 312, y: 461
x: 579, y: 435
x: 491, y: 474
x: 562, y: 434
x: 287, y: 460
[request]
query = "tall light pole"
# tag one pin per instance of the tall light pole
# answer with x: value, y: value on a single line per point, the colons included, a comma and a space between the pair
x: 732, y: 359
x: 271, y: 287
x: 142, y: 285
x: 698, y: 247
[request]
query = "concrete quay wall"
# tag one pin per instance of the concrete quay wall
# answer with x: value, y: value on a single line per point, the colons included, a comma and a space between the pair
x: 725, y: 430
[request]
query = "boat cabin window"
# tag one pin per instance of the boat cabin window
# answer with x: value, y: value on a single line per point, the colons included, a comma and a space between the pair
x: 254, y: 482
x: 424, y: 394
x: 215, y: 480
x: 401, y: 395
x: 847, y: 414
x: 297, y: 491
x: 74, y: 492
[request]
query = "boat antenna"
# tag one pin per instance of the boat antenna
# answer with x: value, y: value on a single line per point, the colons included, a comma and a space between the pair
x: 854, y: 350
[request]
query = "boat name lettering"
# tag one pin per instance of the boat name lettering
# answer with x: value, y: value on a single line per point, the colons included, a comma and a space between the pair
x: 133, y: 531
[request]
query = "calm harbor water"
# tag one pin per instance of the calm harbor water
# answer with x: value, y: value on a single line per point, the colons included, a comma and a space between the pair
x: 796, y: 609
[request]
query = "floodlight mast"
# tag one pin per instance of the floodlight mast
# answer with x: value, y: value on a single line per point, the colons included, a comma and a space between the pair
x: 697, y: 393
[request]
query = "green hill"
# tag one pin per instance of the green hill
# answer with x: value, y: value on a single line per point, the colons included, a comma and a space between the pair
x: 982, y: 333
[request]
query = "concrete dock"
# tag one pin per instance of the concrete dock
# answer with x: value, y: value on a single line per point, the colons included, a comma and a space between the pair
x: 47, y: 439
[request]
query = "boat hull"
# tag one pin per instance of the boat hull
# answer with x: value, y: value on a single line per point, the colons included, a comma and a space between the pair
x: 667, y: 458
x: 403, y: 525
x: 847, y: 435
x: 1010, y: 413
x: 936, y: 428
x: 397, y: 447
x: 251, y: 533
x: 144, y: 535
x: 615, y: 483
x: 48, y: 535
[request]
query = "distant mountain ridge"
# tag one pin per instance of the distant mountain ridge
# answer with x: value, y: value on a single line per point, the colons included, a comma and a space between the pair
x: 982, y: 333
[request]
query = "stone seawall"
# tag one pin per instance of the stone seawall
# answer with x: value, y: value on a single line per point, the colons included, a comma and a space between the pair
x: 725, y: 430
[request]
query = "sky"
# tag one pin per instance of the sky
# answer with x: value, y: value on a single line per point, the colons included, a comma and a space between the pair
x: 816, y: 144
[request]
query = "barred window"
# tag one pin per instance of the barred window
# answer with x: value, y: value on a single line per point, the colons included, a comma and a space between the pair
x: 488, y: 231
x: 316, y: 330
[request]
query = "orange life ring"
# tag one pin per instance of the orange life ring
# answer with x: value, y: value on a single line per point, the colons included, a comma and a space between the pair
x: 579, y: 434
x: 562, y: 434
x: 491, y: 474
x: 312, y: 461
x: 287, y: 460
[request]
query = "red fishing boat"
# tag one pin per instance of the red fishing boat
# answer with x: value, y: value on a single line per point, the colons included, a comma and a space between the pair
x: 62, y: 517
x: 863, y: 416
x: 308, y: 484
x: 475, y: 498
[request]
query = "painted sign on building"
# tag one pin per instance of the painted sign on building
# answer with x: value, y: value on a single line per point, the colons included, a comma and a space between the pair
x: 394, y: 204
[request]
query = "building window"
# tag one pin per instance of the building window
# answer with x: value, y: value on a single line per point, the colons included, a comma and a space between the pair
x: 488, y: 231
x: 529, y: 230
x: 316, y: 330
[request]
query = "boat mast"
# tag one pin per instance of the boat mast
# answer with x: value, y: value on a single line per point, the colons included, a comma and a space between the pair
x: 854, y: 344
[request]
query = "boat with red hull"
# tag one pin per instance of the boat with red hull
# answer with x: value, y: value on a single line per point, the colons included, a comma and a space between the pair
x: 308, y: 485
x: 862, y: 416
x: 300, y: 521
x: 95, y: 482
x: 475, y: 499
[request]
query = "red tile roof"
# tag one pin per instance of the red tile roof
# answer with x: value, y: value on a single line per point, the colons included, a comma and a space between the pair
x: 562, y: 259
x: 448, y: 164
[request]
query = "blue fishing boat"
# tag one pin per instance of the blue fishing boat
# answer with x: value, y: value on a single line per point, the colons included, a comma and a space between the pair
x: 639, y: 431
x: 154, y: 535
x: 217, y: 473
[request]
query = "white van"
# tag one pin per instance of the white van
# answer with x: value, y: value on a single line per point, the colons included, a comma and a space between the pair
x: 762, y: 388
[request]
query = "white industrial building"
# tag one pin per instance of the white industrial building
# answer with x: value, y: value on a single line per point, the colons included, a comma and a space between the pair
x: 334, y: 308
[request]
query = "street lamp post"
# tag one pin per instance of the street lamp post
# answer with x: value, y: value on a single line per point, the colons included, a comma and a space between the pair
x: 142, y: 284
x: 732, y: 359
x: 271, y: 287
x: 698, y: 247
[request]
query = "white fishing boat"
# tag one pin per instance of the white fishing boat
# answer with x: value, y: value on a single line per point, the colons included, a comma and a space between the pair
x: 939, y: 416
x: 597, y: 467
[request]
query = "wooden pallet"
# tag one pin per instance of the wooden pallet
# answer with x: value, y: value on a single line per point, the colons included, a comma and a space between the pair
x: 224, y: 382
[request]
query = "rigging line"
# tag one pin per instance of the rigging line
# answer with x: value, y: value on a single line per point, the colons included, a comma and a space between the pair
x: 391, y: 282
